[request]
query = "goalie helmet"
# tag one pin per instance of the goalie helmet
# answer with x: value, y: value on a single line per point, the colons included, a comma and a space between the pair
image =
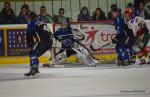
x: 128, y: 13
x: 65, y: 23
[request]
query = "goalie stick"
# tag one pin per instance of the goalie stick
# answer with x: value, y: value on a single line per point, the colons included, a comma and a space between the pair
x: 93, y: 49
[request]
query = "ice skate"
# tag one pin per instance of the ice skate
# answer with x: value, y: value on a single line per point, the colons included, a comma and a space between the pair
x: 33, y: 73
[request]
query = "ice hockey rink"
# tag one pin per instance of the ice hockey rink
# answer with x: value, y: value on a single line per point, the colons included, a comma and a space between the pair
x: 105, y: 80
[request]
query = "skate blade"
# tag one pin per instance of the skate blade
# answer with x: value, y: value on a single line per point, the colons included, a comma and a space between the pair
x: 32, y: 77
x: 92, y: 64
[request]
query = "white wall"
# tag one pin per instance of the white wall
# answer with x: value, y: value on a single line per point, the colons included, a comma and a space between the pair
x: 70, y: 10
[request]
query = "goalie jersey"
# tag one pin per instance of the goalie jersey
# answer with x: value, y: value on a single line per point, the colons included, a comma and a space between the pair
x: 65, y: 36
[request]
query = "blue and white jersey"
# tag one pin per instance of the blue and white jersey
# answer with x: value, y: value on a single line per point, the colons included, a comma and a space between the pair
x: 61, y: 33
x: 65, y: 36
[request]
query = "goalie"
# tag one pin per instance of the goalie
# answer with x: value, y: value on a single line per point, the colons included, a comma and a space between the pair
x: 141, y: 32
x: 68, y: 39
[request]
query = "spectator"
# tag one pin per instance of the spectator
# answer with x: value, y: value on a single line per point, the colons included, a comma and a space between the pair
x: 60, y: 18
x: 7, y: 15
x: 141, y: 9
x: 113, y: 6
x: 84, y: 15
x: 131, y: 6
x: 147, y: 9
x: 44, y: 16
x: 99, y: 15
x: 22, y: 18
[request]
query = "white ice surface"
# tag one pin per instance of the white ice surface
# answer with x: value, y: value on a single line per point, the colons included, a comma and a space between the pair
x: 77, y: 82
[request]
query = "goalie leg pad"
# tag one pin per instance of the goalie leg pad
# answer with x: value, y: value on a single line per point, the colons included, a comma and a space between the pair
x: 85, y: 56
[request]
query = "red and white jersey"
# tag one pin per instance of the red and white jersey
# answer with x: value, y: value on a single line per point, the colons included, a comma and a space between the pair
x: 135, y: 23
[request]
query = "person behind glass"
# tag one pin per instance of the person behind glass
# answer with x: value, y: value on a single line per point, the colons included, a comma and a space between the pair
x: 84, y: 15
x: 142, y: 11
x: 99, y: 15
x: 7, y: 15
x: 60, y: 18
x: 136, y: 11
x: 22, y: 18
x: 113, y: 6
x: 147, y: 9
x: 44, y: 16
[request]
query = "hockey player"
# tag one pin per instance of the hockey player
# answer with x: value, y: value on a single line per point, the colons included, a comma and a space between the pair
x: 141, y: 32
x: 130, y: 42
x: 67, y: 38
x: 39, y: 39
x: 120, y: 39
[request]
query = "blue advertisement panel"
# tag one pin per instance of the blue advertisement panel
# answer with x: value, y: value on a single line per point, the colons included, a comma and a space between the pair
x: 1, y: 42
x: 16, y: 42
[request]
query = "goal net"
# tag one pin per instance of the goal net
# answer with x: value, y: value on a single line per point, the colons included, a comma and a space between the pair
x: 97, y: 34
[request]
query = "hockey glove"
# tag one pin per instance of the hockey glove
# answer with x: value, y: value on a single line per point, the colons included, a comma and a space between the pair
x: 114, y: 41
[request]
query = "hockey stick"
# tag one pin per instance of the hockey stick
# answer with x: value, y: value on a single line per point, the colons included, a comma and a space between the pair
x: 93, y: 49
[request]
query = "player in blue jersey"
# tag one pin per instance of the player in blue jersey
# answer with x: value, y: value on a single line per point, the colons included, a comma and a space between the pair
x: 39, y: 39
x: 120, y: 39
x: 130, y: 37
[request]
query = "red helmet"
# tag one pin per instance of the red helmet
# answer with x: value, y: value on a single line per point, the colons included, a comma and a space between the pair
x: 128, y: 12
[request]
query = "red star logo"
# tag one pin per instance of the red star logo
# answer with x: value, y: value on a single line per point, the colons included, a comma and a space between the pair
x: 91, y: 35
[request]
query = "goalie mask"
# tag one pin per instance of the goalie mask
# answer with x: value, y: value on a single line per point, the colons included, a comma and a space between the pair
x: 65, y: 23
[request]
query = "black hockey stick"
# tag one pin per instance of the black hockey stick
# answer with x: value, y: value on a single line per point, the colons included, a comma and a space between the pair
x: 93, y: 49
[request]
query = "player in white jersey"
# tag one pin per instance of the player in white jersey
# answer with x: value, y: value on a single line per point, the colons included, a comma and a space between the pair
x: 141, y: 32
